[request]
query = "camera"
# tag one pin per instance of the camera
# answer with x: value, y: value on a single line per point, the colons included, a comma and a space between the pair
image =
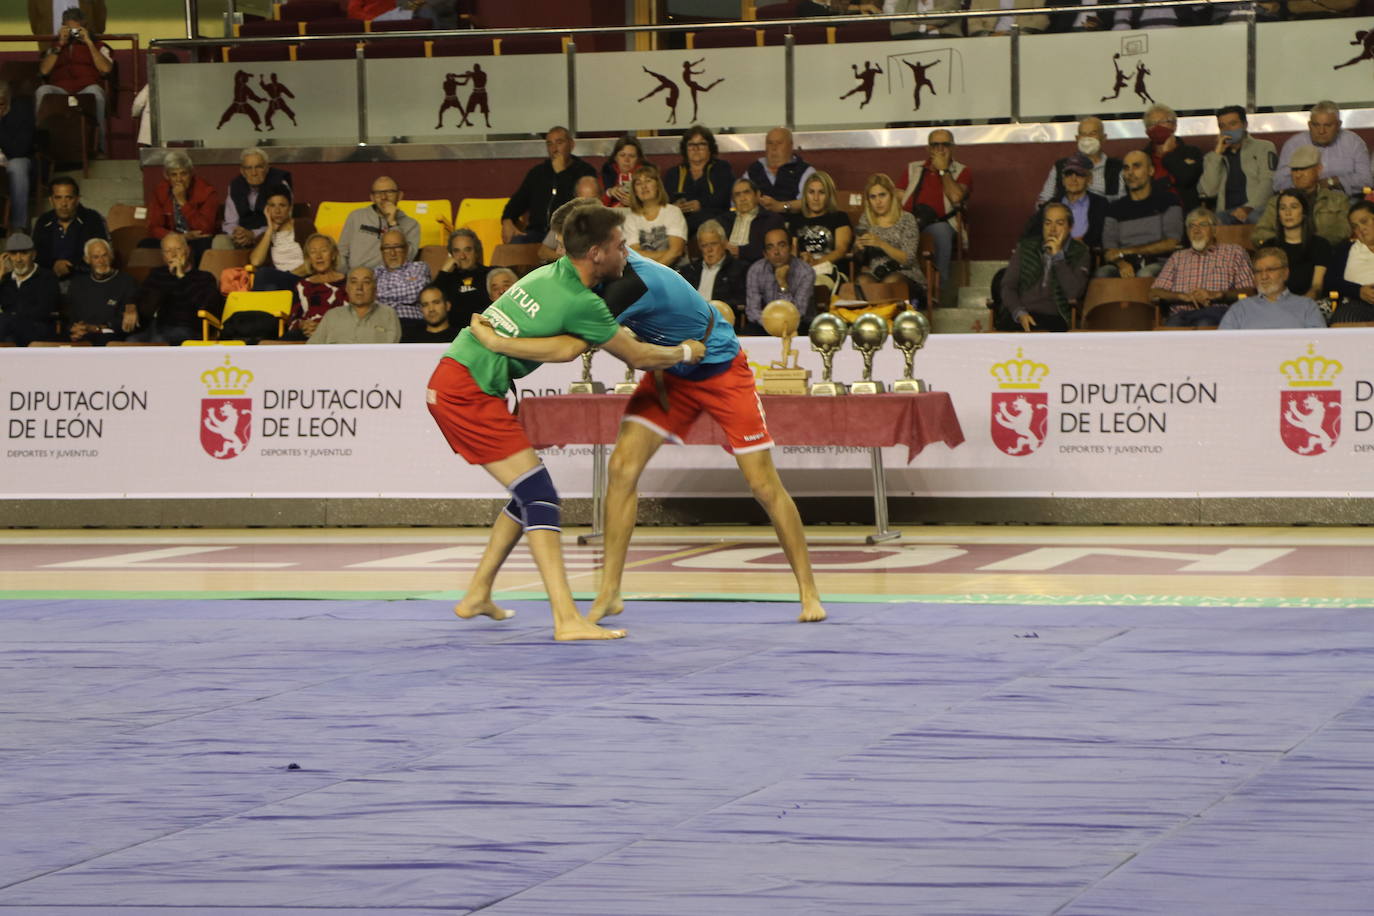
x: 75, y: 34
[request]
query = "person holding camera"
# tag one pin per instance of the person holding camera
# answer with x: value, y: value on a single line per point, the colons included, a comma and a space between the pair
x: 76, y: 65
x: 888, y: 242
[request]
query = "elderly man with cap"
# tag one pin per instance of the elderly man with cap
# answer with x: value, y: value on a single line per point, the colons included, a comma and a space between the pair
x: 1344, y: 156
x: 28, y: 294
x: 1329, y: 208
x: 1089, y: 209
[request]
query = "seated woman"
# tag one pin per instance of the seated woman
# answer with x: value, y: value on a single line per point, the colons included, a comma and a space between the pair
x: 1307, y: 252
x: 821, y: 234
x: 654, y: 227
x: 618, y: 171
x: 1351, y: 272
x: 319, y: 290
x: 700, y: 185
x: 888, y: 244
x: 184, y: 203
x: 277, y: 259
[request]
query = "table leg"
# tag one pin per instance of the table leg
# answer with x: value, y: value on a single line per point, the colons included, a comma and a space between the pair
x: 883, y: 533
x: 598, y: 497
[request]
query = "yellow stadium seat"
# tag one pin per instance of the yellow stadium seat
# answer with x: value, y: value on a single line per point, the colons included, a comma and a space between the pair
x: 488, y: 233
x: 330, y: 216
x: 433, y: 216
x: 483, y: 216
x: 277, y: 304
x: 212, y: 343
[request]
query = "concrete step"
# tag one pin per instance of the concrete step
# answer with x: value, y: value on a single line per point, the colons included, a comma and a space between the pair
x: 980, y: 272
x: 960, y: 321
x: 111, y: 181
x: 974, y: 297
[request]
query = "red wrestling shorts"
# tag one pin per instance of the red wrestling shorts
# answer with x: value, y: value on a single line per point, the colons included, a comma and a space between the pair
x: 731, y: 399
x: 477, y: 425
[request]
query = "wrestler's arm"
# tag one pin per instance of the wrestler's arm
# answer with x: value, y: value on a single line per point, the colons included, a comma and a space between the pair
x: 565, y: 348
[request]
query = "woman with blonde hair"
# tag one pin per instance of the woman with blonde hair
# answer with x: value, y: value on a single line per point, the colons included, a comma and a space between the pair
x: 888, y: 243
x: 821, y: 234
x: 654, y: 227
x: 319, y: 290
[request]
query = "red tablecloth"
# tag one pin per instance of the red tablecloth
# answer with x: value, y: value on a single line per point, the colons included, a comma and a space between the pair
x: 913, y: 420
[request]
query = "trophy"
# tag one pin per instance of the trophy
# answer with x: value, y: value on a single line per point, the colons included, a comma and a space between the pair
x: 909, y: 332
x: 827, y: 335
x: 629, y: 384
x: 727, y: 313
x: 784, y: 376
x: 585, y: 385
x: 868, y: 334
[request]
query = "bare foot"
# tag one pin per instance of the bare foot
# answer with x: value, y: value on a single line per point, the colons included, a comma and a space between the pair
x: 582, y: 628
x: 608, y: 608
x: 811, y: 611
x: 467, y: 610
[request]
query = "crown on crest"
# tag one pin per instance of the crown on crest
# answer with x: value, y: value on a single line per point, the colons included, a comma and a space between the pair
x: 226, y: 379
x: 1019, y: 373
x: 1311, y: 371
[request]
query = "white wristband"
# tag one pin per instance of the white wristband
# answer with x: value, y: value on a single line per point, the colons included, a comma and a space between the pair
x: 686, y: 353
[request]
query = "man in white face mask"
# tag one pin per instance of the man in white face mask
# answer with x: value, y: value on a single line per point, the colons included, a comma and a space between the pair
x: 1106, y: 175
x: 1199, y: 283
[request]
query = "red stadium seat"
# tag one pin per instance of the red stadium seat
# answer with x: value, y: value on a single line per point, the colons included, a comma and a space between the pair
x: 258, y: 53
x: 463, y: 47
x: 863, y: 31
x: 418, y: 24
x: 307, y: 10
x: 531, y: 44
x: 335, y: 26
x: 269, y: 28
x: 723, y: 38
x: 801, y: 35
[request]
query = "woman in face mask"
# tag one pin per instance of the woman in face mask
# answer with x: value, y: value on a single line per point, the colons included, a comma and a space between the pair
x: 1175, y: 161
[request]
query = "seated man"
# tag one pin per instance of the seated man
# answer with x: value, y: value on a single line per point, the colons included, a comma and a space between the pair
x: 748, y: 223
x: 362, y: 320
x: 16, y: 153
x: 717, y: 274
x: 173, y: 294
x: 1330, y: 209
x: 463, y: 277
x: 1105, y: 176
x: 1343, y: 155
x: 779, y: 275
x: 76, y: 65
x: 588, y: 187
x: 943, y: 185
x: 102, y: 304
x: 1275, y: 306
x: 1046, y: 276
x: 245, y: 218
x: 28, y: 294
x: 1177, y: 164
x: 1239, y: 173
x: 360, y: 241
x: 499, y: 279
x: 61, y: 233
x: 399, y: 280
x: 779, y: 174
x: 437, y: 326
x: 1144, y: 227
x: 546, y: 187
x: 1201, y: 281
x: 1089, y: 209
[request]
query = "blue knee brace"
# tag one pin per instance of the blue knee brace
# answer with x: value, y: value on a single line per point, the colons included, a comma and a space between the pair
x: 537, y: 501
x: 512, y: 509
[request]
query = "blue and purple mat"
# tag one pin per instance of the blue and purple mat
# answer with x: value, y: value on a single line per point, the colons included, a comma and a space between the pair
x: 337, y: 757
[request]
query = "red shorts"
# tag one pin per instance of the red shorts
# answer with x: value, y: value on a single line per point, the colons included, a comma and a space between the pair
x: 731, y: 399
x: 477, y: 425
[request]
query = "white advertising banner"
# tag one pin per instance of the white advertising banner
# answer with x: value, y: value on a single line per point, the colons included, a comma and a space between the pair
x: 1337, y: 58
x: 242, y: 104
x: 718, y: 87
x: 1121, y: 73
x: 885, y: 82
x: 455, y: 96
x: 1262, y: 413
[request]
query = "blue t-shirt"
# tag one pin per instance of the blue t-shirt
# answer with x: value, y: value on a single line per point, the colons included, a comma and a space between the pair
x: 662, y: 308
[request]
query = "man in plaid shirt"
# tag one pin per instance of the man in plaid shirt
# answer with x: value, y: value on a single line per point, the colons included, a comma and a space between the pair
x: 1199, y: 283
x: 400, y: 280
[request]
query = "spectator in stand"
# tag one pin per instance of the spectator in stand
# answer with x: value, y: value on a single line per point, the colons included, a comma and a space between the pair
x: 717, y: 274
x: 1306, y: 252
x: 184, y: 203
x: 780, y: 173
x: 499, y: 279
x: 654, y: 227
x: 546, y: 187
x: 937, y: 191
x: 925, y: 28
x: 399, y: 280
x: 1276, y: 306
x: 16, y: 153
x: 749, y: 222
x: 319, y: 291
x: 820, y: 230
x: 102, y: 304
x: 1344, y: 156
x: 45, y: 16
x: 363, y: 320
x: 1151, y: 17
x: 173, y: 294
x: 1177, y: 164
x: 779, y: 275
x: 1047, y: 274
x: 1143, y: 228
x: 278, y: 259
x: 438, y: 325
x: 443, y: 14
x: 244, y: 217
x: 1239, y: 173
x: 1351, y: 272
x: 1105, y: 178
x: 551, y: 249
x: 1199, y: 283
x: 76, y: 65
x: 618, y: 170
x: 1089, y: 209
x: 28, y: 294
x: 888, y: 245
x: 1001, y: 25
x: 61, y: 233
x: 463, y: 277
x: 360, y: 241
x: 700, y: 184
x: 1328, y: 208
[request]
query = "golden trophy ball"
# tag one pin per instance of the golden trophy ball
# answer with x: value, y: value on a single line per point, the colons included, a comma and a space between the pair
x: 784, y: 376
x: 868, y: 333
x: 727, y: 312
x: 827, y: 335
x: 585, y: 385
x: 909, y: 332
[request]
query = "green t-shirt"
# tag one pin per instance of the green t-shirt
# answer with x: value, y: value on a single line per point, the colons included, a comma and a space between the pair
x: 544, y: 303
